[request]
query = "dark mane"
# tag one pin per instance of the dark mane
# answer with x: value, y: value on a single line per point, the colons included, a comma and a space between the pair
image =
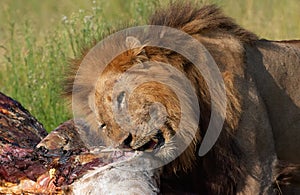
x: 219, y: 171
x: 193, y: 20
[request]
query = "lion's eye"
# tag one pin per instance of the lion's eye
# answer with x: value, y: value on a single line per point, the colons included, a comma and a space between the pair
x: 121, y: 100
x: 102, y: 126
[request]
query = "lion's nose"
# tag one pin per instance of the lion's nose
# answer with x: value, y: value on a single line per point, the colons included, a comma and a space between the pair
x: 127, y: 141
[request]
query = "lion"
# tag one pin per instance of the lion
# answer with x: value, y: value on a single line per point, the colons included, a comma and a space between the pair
x: 262, y: 123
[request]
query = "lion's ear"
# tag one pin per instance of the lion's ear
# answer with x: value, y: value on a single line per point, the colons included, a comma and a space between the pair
x: 133, y: 42
x: 136, y: 48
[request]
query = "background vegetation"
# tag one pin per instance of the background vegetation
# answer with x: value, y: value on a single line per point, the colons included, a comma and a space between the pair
x: 38, y: 37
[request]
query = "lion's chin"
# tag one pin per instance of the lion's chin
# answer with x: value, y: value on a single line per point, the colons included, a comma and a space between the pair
x: 167, y: 153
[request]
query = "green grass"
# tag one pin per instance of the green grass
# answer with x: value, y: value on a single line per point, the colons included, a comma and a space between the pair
x: 37, y: 39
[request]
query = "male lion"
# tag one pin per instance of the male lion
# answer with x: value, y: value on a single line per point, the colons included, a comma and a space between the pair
x: 262, y: 124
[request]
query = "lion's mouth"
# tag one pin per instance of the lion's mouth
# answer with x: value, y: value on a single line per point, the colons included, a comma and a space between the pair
x: 147, y: 145
x: 154, y: 143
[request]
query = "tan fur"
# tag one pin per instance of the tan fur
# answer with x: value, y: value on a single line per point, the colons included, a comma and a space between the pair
x: 243, y: 161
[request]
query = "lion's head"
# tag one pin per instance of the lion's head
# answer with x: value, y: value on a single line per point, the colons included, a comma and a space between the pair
x: 142, y: 114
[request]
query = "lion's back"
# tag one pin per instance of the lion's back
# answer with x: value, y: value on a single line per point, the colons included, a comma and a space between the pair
x: 276, y: 67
